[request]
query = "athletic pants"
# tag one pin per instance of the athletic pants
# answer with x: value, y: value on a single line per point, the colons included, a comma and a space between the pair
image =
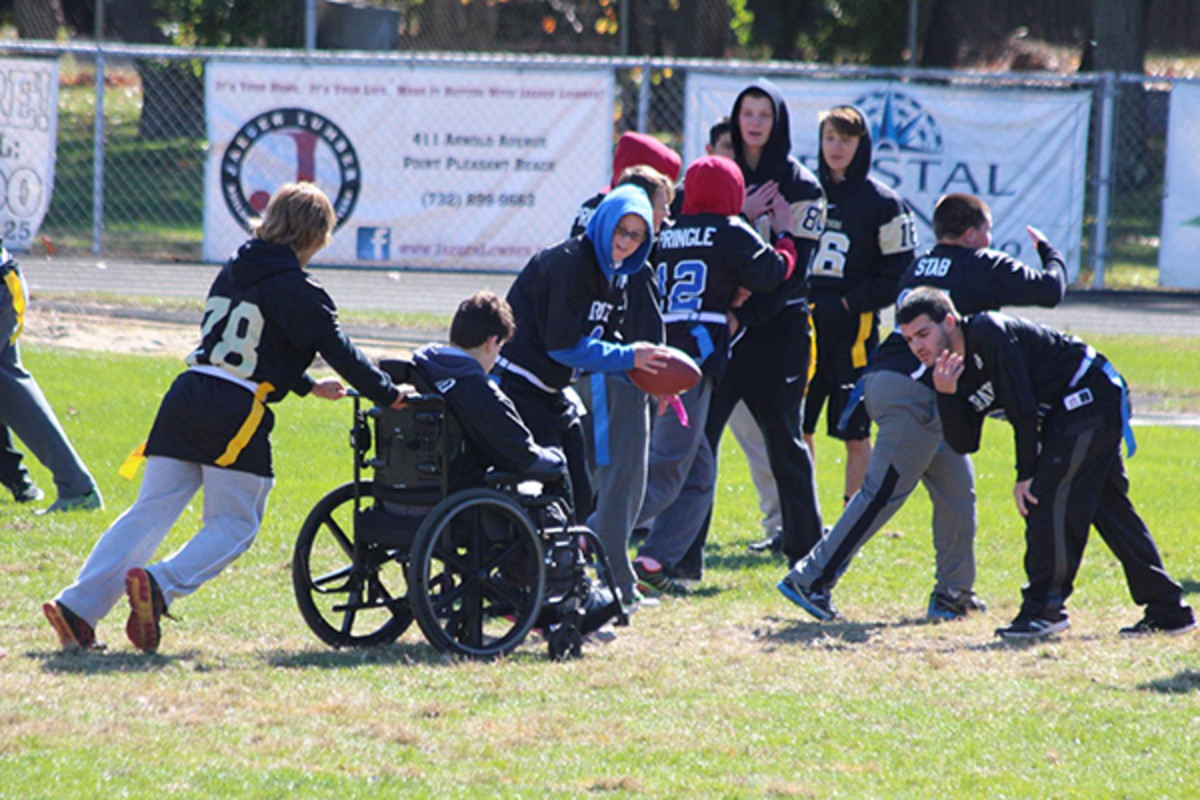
x: 908, y: 447
x: 25, y: 410
x: 1080, y: 481
x: 234, y: 504
x: 680, y: 481
x: 554, y: 420
x: 620, y: 433
x: 769, y: 370
x: 750, y: 439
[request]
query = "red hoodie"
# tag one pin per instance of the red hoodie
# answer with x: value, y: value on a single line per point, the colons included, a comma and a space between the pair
x: 638, y: 148
x: 714, y: 186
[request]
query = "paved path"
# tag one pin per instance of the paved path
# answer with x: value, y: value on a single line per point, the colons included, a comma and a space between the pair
x: 1162, y: 313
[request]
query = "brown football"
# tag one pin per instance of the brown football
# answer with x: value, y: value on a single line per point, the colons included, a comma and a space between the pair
x: 679, y: 375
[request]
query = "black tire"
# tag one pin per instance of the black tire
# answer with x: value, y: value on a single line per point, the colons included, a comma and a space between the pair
x: 476, y: 578
x: 348, y: 602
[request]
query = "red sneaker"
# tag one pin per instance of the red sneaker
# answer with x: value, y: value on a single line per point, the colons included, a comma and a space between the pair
x: 146, y: 610
x: 72, y: 631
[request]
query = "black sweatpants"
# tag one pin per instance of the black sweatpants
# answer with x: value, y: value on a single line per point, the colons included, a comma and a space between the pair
x: 769, y: 371
x: 554, y: 422
x: 1080, y: 481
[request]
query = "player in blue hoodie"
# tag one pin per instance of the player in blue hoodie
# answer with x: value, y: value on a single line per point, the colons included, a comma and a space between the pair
x: 265, y: 321
x: 565, y: 302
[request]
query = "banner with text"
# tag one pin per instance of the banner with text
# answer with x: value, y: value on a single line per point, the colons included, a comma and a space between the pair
x: 1023, y: 152
x: 1177, y: 262
x: 28, y: 132
x: 426, y: 166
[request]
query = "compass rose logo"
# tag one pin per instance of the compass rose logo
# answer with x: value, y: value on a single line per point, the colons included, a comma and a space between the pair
x: 899, y: 123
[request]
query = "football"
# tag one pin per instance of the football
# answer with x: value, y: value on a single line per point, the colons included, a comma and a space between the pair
x: 679, y: 375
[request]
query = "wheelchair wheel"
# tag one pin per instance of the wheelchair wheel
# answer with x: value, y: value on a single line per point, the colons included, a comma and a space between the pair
x: 348, y: 599
x: 477, y: 579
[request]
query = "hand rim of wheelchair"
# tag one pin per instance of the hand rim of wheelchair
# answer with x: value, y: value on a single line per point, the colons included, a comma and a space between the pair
x: 459, y: 595
x: 352, y: 584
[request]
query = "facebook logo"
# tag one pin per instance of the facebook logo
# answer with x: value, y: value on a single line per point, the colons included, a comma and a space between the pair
x: 374, y: 244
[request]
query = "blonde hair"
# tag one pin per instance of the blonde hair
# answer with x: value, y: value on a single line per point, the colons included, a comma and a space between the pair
x: 649, y: 180
x: 298, y: 215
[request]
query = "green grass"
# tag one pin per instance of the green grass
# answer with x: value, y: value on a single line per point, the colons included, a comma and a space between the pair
x: 732, y: 693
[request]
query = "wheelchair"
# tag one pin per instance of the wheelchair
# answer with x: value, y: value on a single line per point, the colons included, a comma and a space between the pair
x: 478, y: 569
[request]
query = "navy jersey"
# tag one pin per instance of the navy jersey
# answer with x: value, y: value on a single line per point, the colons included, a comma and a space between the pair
x: 868, y: 241
x: 977, y: 281
x: 494, y: 433
x: 639, y: 314
x: 701, y: 262
x: 803, y: 192
x: 1015, y: 366
x: 264, y: 321
x: 560, y: 296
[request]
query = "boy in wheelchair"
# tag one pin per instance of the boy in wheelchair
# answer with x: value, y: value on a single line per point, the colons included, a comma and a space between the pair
x: 497, y: 449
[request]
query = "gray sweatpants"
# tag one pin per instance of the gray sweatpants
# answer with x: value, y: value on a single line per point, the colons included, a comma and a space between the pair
x: 234, y: 504
x: 908, y: 447
x: 620, y: 439
x: 25, y: 410
x: 681, y: 479
x: 749, y: 437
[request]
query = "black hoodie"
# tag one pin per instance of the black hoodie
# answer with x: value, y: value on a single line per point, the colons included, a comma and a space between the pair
x: 868, y: 242
x: 266, y: 319
x: 800, y: 188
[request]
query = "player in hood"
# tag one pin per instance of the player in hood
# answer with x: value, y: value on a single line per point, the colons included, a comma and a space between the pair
x: 265, y: 321
x: 703, y: 260
x: 868, y: 241
x: 565, y: 303
x: 619, y: 417
x: 769, y: 360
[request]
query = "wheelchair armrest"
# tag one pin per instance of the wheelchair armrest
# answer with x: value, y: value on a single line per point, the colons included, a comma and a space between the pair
x: 497, y: 478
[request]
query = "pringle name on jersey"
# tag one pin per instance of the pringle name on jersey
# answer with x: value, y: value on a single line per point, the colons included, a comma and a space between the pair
x: 678, y: 238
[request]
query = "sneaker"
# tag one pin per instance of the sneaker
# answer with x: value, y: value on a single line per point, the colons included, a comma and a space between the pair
x: 657, y: 582
x: 1029, y: 627
x: 771, y: 544
x: 954, y: 604
x: 72, y: 631
x: 146, y: 610
x: 1147, y: 626
x: 24, y: 490
x: 633, y: 600
x: 815, y: 602
x: 92, y: 501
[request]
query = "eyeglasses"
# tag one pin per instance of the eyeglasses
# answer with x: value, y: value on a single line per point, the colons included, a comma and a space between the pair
x: 637, y: 237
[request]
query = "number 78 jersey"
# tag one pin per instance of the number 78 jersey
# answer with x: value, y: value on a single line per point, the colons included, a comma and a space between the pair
x: 265, y: 319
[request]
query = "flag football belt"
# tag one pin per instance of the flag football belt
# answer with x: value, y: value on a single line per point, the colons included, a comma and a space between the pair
x: 240, y: 439
x: 12, y: 280
x: 1083, y: 397
x: 516, y: 369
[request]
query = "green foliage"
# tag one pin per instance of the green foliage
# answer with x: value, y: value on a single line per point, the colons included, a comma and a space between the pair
x: 216, y: 23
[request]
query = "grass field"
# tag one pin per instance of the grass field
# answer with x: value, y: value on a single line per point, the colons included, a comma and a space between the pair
x: 730, y: 693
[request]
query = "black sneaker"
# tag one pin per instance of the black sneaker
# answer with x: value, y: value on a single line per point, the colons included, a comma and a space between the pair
x: 1147, y: 626
x: 771, y: 544
x: 1030, y: 627
x: 25, y: 490
x: 815, y: 602
x: 954, y: 604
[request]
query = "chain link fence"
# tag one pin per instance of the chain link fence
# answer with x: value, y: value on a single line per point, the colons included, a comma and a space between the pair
x: 147, y: 200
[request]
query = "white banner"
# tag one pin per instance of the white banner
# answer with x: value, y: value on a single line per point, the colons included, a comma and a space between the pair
x: 1178, y: 261
x: 28, y: 132
x: 1023, y: 152
x: 427, y: 167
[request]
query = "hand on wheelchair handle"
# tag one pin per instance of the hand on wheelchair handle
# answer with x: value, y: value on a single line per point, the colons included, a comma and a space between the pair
x: 329, y: 389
